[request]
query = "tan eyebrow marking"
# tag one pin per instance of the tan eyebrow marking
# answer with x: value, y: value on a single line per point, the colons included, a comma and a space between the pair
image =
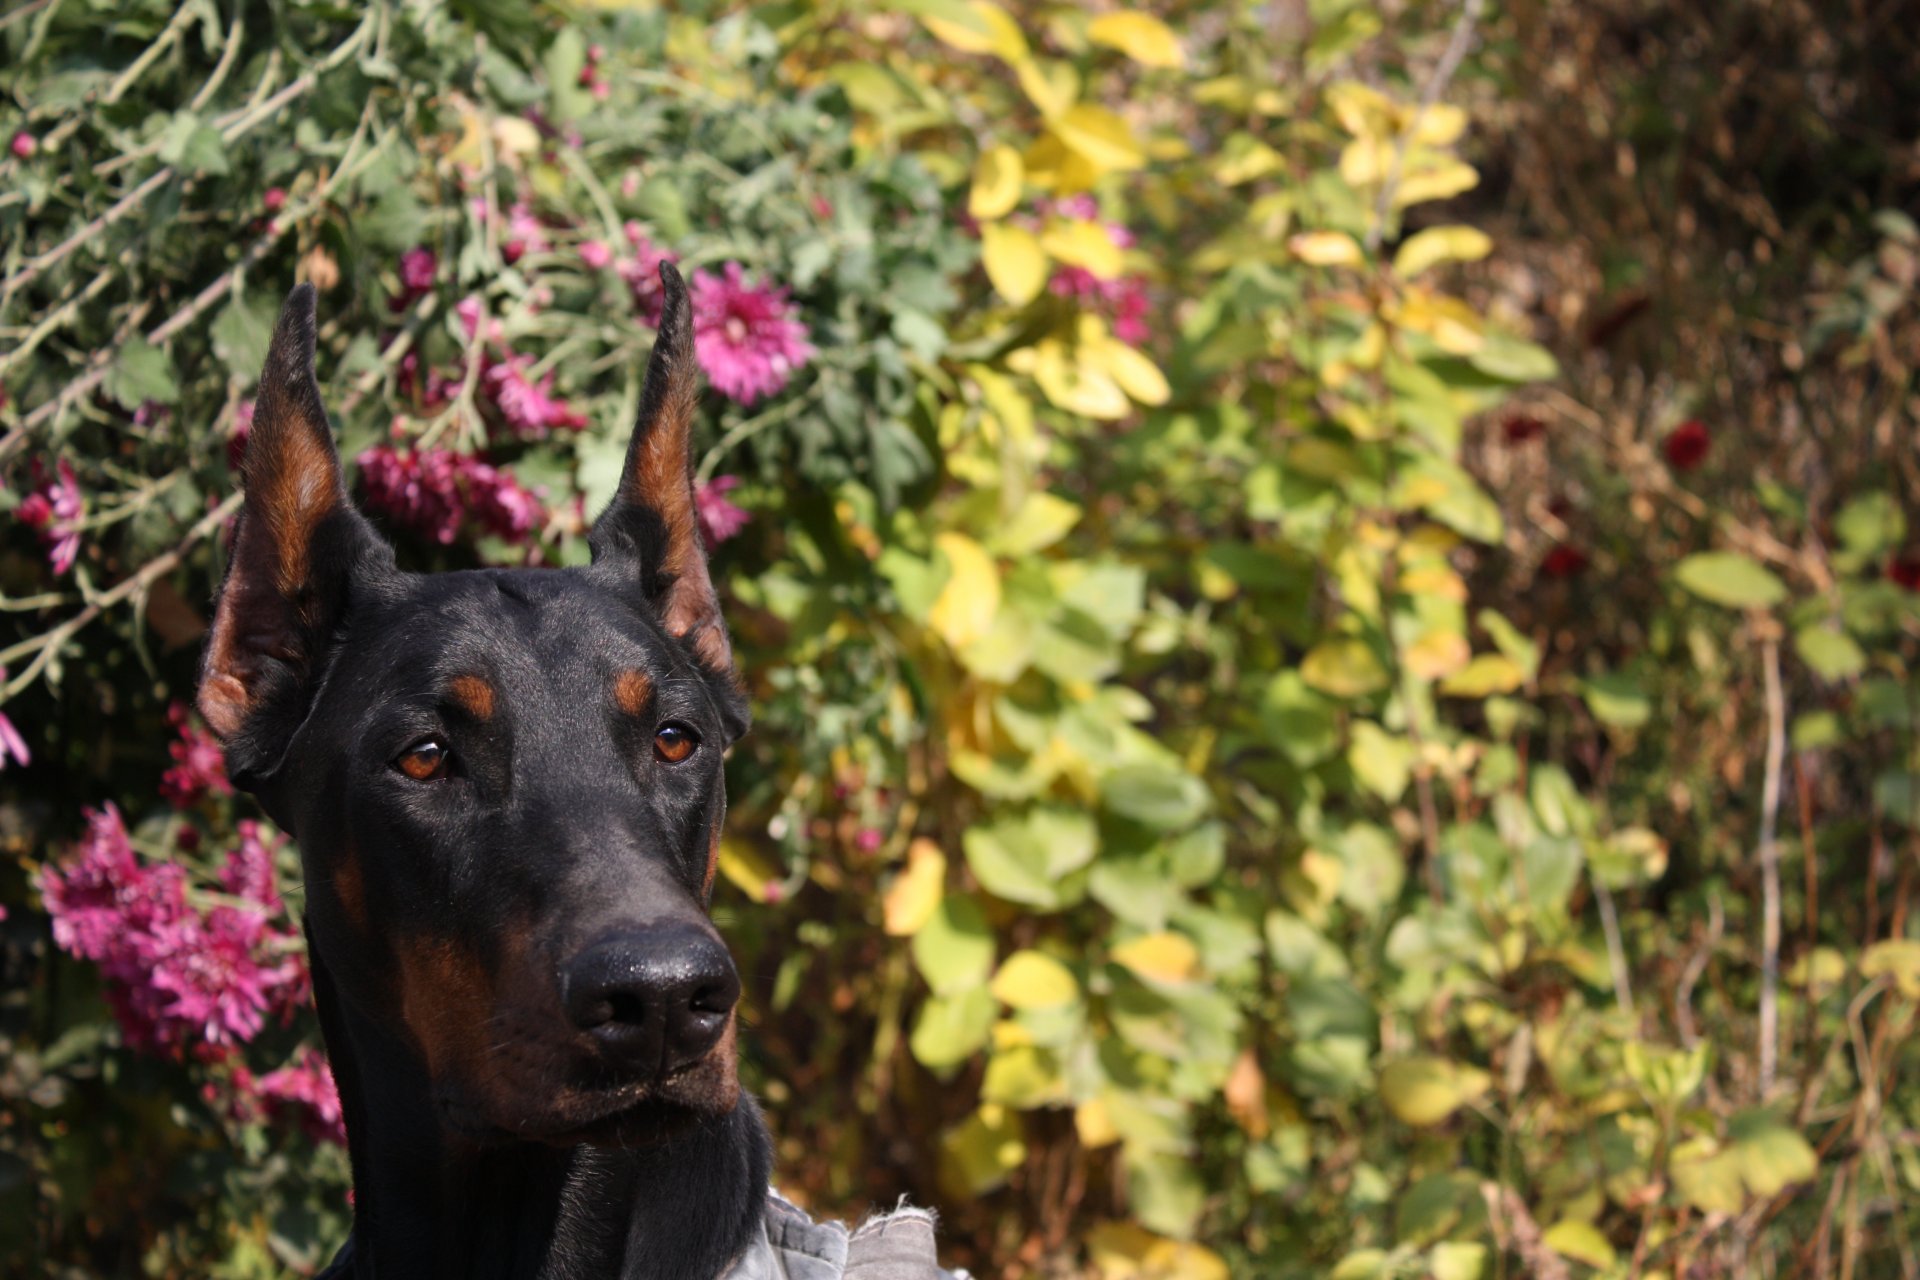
x: 631, y: 691
x: 474, y: 695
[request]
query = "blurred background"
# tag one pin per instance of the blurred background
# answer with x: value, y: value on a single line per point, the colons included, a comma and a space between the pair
x: 1329, y: 589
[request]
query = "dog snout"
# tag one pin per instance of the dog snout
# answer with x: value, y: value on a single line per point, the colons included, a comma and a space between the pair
x: 655, y: 999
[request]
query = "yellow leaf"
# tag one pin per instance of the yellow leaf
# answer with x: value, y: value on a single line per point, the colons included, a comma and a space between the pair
x: 514, y: 136
x: 1327, y: 249
x: 746, y: 870
x: 916, y: 891
x: 994, y: 32
x: 1138, y: 376
x: 1344, y: 667
x: 1126, y: 1251
x: 997, y: 176
x: 1100, y: 137
x: 1160, y: 957
x: 965, y: 608
x: 1438, y: 181
x: 1142, y: 37
x: 1094, y: 1124
x: 1031, y: 980
x: 1071, y: 383
x: 1488, y: 674
x: 1436, y: 579
x: 1083, y: 243
x: 1363, y: 111
x: 1015, y: 262
x: 1437, y: 654
x: 1423, y: 1091
x: 1440, y: 124
x: 1453, y: 325
x: 1051, y: 85
x: 1435, y: 245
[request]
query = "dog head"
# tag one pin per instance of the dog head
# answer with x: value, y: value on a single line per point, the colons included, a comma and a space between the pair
x: 506, y: 785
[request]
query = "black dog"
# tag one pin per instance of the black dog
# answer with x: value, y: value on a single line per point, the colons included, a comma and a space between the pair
x: 506, y: 787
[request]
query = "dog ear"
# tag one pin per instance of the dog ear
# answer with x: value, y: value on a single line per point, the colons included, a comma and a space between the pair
x: 651, y: 528
x: 296, y: 546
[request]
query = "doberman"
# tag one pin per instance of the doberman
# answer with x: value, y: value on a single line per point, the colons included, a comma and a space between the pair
x: 507, y: 792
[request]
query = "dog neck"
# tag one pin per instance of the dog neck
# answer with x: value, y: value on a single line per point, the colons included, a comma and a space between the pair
x: 429, y: 1205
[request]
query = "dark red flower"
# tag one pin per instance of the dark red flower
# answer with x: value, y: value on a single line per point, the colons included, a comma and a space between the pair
x: 1686, y: 446
x: 1564, y: 561
x: 1905, y: 570
x: 1521, y: 428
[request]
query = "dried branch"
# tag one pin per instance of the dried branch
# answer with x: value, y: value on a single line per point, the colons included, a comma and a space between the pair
x: 1436, y: 85
x: 1769, y: 853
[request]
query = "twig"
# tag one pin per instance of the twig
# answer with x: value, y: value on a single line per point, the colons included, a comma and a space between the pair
x: 1616, y: 953
x: 1697, y: 965
x: 1436, y: 85
x: 44, y: 647
x: 1770, y: 865
x: 160, y: 44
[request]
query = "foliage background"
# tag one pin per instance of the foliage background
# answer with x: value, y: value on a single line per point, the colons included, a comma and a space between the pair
x: 1331, y: 622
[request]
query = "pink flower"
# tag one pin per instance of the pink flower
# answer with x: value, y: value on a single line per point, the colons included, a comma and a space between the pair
x: 418, y: 267
x: 642, y: 273
x: 595, y: 254
x: 305, y: 1087
x: 177, y: 979
x: 199, y: 763
x: 56, y: 510
x: 745, y: 338
x: 24, y: 144
x: 212, y: 970
x: 525, y: 234
x: 719, y: 518
x: 11, y: 743
x: 419, y: 490
x: 248, y: 872
x: 275, y: 200
x: 529, y: 407
x: 434, y: 491
x: 106, y: 900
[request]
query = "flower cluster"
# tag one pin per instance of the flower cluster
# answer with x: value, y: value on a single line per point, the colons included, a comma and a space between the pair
x: 745, y: 336
x: 181, y: 977
x: 434, y: 492
x: 1123, y: 299
x: 719, y: 518
x: 302, y: 1091
x: 55, y: 508
x: 199, y: 766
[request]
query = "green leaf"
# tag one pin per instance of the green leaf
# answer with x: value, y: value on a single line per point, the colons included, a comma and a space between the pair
x: 1515, y: 360
x: 1343, y: 667
x: 1731, y: 579
x: 1381, y: 761
x: 1833, y: 655
x: 952, y: 1028
x: 1425, y: 1090
x: 1487, y: 674
x: 1161, y: 796
x: 240, y: 335
x: 1617, y: 700
x: 1580, y: 1241
x: 142, y: 372
x: 192, y: 146
x: 954, y: 949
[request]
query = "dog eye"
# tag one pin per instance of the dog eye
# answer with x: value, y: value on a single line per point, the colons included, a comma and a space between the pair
x: 673, y: 743
x: 424, y: 761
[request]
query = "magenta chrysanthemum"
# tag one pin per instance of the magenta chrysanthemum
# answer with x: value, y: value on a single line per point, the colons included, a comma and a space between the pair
x: 199, y: 764
x: 745, y: 337
x: 642, y: 273
x: 529, y: 407
x: 56, y: 510
x: 434, y: 491
x: 305, y: 1088
x: 719, y: 518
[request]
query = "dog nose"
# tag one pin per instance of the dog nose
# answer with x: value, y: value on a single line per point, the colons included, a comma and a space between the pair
x: 656, y: 998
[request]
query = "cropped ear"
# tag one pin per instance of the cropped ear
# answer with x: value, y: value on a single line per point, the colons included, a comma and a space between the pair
x: 650, y: 530
x: 295, y: 550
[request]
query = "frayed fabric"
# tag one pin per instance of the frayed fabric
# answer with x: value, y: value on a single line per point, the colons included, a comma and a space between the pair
x: 890, y: 1246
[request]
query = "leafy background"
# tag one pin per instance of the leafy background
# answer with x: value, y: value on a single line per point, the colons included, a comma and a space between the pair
x: 1331, y: 618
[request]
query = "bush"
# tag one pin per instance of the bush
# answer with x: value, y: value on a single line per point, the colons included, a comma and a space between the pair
x: 1214, y: 807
